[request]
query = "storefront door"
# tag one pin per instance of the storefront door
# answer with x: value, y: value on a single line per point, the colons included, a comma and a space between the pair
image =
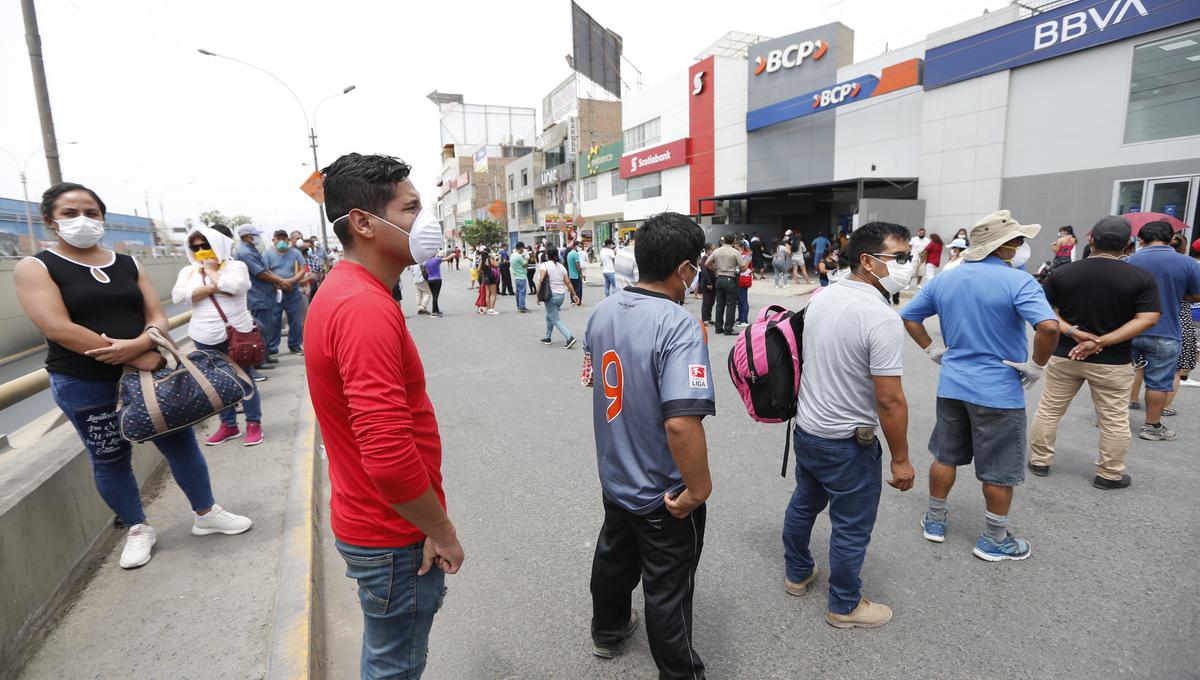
x: 1176, y: 196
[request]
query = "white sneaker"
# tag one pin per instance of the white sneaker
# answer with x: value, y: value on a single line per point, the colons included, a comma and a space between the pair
x: 137, y: 546
x: 492, y: 312
x: 220, y: 521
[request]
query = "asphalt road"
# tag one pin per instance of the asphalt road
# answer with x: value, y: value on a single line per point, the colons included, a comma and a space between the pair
x: 1109, y: 591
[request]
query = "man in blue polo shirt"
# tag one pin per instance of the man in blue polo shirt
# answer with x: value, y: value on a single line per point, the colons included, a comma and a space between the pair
x: 983, y: 307
x: 1178, y: 278
x: 653, y: 386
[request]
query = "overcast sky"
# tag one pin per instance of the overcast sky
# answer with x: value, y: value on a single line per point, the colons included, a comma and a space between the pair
x: 149, y: 113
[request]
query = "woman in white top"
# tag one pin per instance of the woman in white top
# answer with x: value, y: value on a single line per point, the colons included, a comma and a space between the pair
x: 214, y: 275
x: 552, y: 273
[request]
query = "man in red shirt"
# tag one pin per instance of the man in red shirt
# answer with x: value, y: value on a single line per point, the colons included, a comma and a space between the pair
x: 380, y: 433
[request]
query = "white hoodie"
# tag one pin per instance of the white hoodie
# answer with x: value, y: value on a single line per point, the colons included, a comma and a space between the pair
x: 233, y: 282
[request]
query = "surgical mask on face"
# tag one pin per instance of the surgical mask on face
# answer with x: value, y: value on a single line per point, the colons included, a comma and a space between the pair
x: 1021, y: 257
x: 424, y: 237
x: 204, y: 254
x: 688, y: 286
x: 899, y: 275
x: 81, y: 231
x: 281, y: 245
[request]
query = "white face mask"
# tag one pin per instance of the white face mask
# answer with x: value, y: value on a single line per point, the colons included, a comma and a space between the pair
x: 81, y: 232
x: 899, y: 275
x: 1022, y: 256
x: 424, y: 238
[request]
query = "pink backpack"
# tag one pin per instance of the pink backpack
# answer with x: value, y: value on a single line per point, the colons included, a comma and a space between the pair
x: 764, y: 365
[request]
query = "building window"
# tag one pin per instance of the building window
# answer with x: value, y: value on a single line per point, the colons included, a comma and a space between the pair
x: 556, y: 156
x: 510, y: 182
x: 618, y: 184
x: 646, y: 186
x: 1164, y: 90
x: 643, y: 135
x: 524, y: 178
x: 591, y: 189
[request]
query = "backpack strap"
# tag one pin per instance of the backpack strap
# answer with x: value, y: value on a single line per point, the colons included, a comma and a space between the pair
x: 787, y: 447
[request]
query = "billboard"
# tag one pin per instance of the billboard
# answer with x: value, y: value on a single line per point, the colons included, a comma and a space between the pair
x: 597, y: 51
x: 600, y: 159
x: 480, y: 158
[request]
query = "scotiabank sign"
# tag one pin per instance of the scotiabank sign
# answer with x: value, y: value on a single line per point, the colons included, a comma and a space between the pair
x: 654, y: 159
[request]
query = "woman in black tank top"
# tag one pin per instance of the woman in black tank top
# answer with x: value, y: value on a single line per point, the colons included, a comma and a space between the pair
x: 93, y: 305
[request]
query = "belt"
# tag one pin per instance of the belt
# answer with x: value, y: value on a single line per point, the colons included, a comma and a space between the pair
x: 726, y: 276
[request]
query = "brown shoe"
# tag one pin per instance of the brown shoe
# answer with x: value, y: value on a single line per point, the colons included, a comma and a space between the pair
x: 800, y: 589
x: 866, y: 615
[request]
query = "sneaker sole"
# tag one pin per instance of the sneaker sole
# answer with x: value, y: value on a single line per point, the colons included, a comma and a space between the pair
x: 843, y: 625
x: 250, y: 443
x: 989, y: 557
x: 197, y: 531
x: 802, y: 588
x: 222, y: 441
x: 933, y: 538
x: 1156, y: 438
x: 619, y: 648
x: 139, y: 564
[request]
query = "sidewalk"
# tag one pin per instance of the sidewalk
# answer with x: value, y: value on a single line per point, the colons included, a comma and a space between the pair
x: 204, y: 607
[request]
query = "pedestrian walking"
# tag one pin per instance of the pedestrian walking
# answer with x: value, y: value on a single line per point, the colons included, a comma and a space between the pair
x: 608, y: 257
x: 726, y: 263
x: 95, y: 306
x: 1158, y: 349
x: 779, y: 263
x: 799, y: 252
x: 1102, y: 303
x: 433, y: 278
x: 286, y: 263
x: 576, y: 262
x: 377, y: 422
x: 652, y: 389
x: 983, y: 307
x: 264, y: 284
x: 918, y: 244
x: 551, y: 273
x: 215, y: 286
x: 851, y: 385
x: 488, y: 278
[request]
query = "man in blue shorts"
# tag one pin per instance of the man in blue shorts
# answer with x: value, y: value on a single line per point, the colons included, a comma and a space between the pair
x: 983, y: 307
x: 653, y: 386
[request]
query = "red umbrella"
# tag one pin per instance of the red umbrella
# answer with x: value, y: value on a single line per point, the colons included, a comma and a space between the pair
x: 1139, y: 219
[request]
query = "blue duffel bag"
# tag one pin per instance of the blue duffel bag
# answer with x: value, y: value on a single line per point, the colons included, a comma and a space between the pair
x: 201, y: 384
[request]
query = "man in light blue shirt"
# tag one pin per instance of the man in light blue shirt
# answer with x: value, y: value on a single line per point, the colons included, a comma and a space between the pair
x: 983, y: 307
x: 289, y: 265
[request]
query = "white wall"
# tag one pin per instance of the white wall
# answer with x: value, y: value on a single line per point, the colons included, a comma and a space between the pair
x: 605, y: 203
x: 1068, y: 113
x: 729, y: 121
x: 882, y: 131
x: 666, y: 100
x: 676, y: 194
x: 962, y: 151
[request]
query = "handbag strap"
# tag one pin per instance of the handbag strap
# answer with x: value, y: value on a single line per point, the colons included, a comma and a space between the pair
x: 146, y: 378
x: 213, y: 298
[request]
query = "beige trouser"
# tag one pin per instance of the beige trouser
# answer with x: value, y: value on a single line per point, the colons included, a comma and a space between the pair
x: 1110, y: 393
x: 424, y: 296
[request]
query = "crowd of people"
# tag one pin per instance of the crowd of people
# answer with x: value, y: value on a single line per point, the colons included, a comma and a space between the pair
x: 1118, y: 319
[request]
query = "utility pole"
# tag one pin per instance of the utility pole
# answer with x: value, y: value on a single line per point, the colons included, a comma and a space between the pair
x: 312, y: 136
x: 34, y: 40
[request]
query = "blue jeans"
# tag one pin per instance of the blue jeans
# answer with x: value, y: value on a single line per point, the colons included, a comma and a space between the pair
x: 251, y: 406
x: 520, y: 284
x: 610, y: 283
x: 848, y: 478
x: 265, y: 318
x: 398, y: 608
x: 1162, y: 361
x: 91, y: 406
x: 743, y: 305
x: 291, y: 304
x: 552, y: 321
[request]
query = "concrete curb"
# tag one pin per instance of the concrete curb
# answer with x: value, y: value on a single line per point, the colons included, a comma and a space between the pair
x: 292, y: 655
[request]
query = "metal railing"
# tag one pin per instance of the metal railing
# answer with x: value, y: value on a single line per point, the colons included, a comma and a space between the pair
x: 20, y: 389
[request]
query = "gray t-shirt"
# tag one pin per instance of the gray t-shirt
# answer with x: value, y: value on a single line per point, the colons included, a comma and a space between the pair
x: 850, y: 335
x: 650, y: 363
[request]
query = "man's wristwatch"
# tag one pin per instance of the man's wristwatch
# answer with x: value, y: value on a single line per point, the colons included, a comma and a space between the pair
x: 1071, y: 331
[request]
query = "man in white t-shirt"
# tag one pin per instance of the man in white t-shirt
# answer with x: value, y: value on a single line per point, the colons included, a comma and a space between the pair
x: 608, y: 256
x: 917, y: 244
x: 625, y: 264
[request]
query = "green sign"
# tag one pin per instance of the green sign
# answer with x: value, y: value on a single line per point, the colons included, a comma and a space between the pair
x: 600, y: 159
x: 468, y: 223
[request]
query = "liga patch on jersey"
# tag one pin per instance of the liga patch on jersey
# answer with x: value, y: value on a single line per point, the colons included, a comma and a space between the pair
x: 698, y: 376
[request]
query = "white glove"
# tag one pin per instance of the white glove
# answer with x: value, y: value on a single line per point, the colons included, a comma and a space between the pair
x: 935, y: 353
x: 1030, y: 372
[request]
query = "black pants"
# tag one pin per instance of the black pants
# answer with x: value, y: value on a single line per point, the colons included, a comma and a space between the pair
x: 663, y: 552
x: 506, y: 287
x: 435, y: 287
x: 529, y: 275
x: 707, y: 297
x: 727, y: 303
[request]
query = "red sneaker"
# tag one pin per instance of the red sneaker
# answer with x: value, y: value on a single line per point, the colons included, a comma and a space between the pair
x: 223, y: 434
x: 253, y: 434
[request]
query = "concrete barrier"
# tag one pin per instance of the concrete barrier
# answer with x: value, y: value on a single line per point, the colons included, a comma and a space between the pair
x: 51, y: 520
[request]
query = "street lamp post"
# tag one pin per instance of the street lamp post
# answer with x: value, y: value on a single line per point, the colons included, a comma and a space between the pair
x: 23, y: 174
x: 311, y: 127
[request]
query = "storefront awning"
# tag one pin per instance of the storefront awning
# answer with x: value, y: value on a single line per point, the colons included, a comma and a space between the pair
x: 862, y: 186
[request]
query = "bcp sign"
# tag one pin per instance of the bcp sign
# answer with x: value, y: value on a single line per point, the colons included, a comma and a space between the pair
x: 790, y: 57
x: 654, y: 159
x: 836, y: 94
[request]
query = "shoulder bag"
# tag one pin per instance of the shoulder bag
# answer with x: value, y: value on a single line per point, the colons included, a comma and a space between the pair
x: 246, y: 348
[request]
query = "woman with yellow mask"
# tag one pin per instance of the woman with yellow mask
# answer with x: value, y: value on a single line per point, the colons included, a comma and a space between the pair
x: 214, y: 275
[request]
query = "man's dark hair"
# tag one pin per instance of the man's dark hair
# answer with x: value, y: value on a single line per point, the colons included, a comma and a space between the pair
x: 609, y: 242
x: 51, y: 195
x: 223, y: 229
x: 280, y: 232
x: 1158, y: 231
x: 364, y: 182
x: 869, y: 238
x: 520, y: 244
x: 664, y: 241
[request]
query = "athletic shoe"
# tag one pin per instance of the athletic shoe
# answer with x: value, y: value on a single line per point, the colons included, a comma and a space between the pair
x: 933, y: 530
x: 708, y: 323
x: 570, y: 343
x: 421, y: 311
x: 1040, y: 470
x: 546, y: 341
x: 1168, y: 412
x: 137, y: 546
x: 223, y: 434
x: 614, y: 650
x: 436, y: 315
x: 271, y: 359
x: 800, y: 589
x: 491, y: 312
x: 220, y: 521
x: 259, y: 378
x: 1157, y: 434
x: 866, y: 615
x: 298, y: 350
x: 254, y: 434
x: 1012, y: 548
x: 1109, y: 484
